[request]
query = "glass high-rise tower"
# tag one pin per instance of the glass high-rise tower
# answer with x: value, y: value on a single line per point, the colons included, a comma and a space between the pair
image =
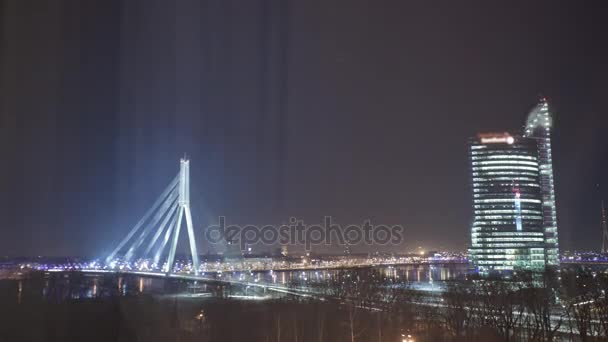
x: 507, y: 232
x: 538, y: 127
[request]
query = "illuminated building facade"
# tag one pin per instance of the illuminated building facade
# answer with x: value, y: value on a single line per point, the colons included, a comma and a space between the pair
x: 538, y: 127
x: 507, y: 233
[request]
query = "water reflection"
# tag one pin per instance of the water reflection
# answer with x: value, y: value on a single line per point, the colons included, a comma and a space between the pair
x: 416, y: 273
x: 57, y: 287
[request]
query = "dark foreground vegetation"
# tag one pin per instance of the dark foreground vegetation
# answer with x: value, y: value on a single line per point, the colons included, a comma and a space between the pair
x: 351, y: 306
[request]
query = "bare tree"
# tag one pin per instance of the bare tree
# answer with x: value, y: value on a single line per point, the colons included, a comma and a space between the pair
x: 600, y: 302
x: 540, y: 293
x: 278, y: 326
x: 580, y: 292
x: 458, y: 313
x: 353, y: 292
x: 501, y: 305
x: 319, y: 320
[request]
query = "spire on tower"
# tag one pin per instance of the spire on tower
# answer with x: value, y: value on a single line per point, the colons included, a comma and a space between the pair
x: 604, y: 229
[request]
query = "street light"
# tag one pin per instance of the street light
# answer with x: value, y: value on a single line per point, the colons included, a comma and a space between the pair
x: 407, y: 338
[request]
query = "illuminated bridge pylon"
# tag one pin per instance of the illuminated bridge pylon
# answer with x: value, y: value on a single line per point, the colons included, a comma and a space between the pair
x: 164, y: 218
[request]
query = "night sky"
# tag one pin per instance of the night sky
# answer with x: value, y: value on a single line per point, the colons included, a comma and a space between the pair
x: 355, y: 109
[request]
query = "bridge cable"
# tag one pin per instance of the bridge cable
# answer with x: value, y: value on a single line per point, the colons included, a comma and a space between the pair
x: 161, y: 229
x: 168, y: 233
x: 153, y: 223
x: 160, y: 199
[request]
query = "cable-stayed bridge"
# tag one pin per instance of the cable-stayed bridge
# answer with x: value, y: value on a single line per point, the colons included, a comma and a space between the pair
x: 160, y: 226
x: 150, y: 247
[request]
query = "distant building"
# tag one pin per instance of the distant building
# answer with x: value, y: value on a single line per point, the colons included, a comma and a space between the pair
x: 233, y: 250
x: 432, y: 254
x: 507, y: 232
x: 538, y: 126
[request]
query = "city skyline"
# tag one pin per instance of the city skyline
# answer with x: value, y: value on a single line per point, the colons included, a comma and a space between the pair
x: 317, y: 170
x: 302, y: 110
